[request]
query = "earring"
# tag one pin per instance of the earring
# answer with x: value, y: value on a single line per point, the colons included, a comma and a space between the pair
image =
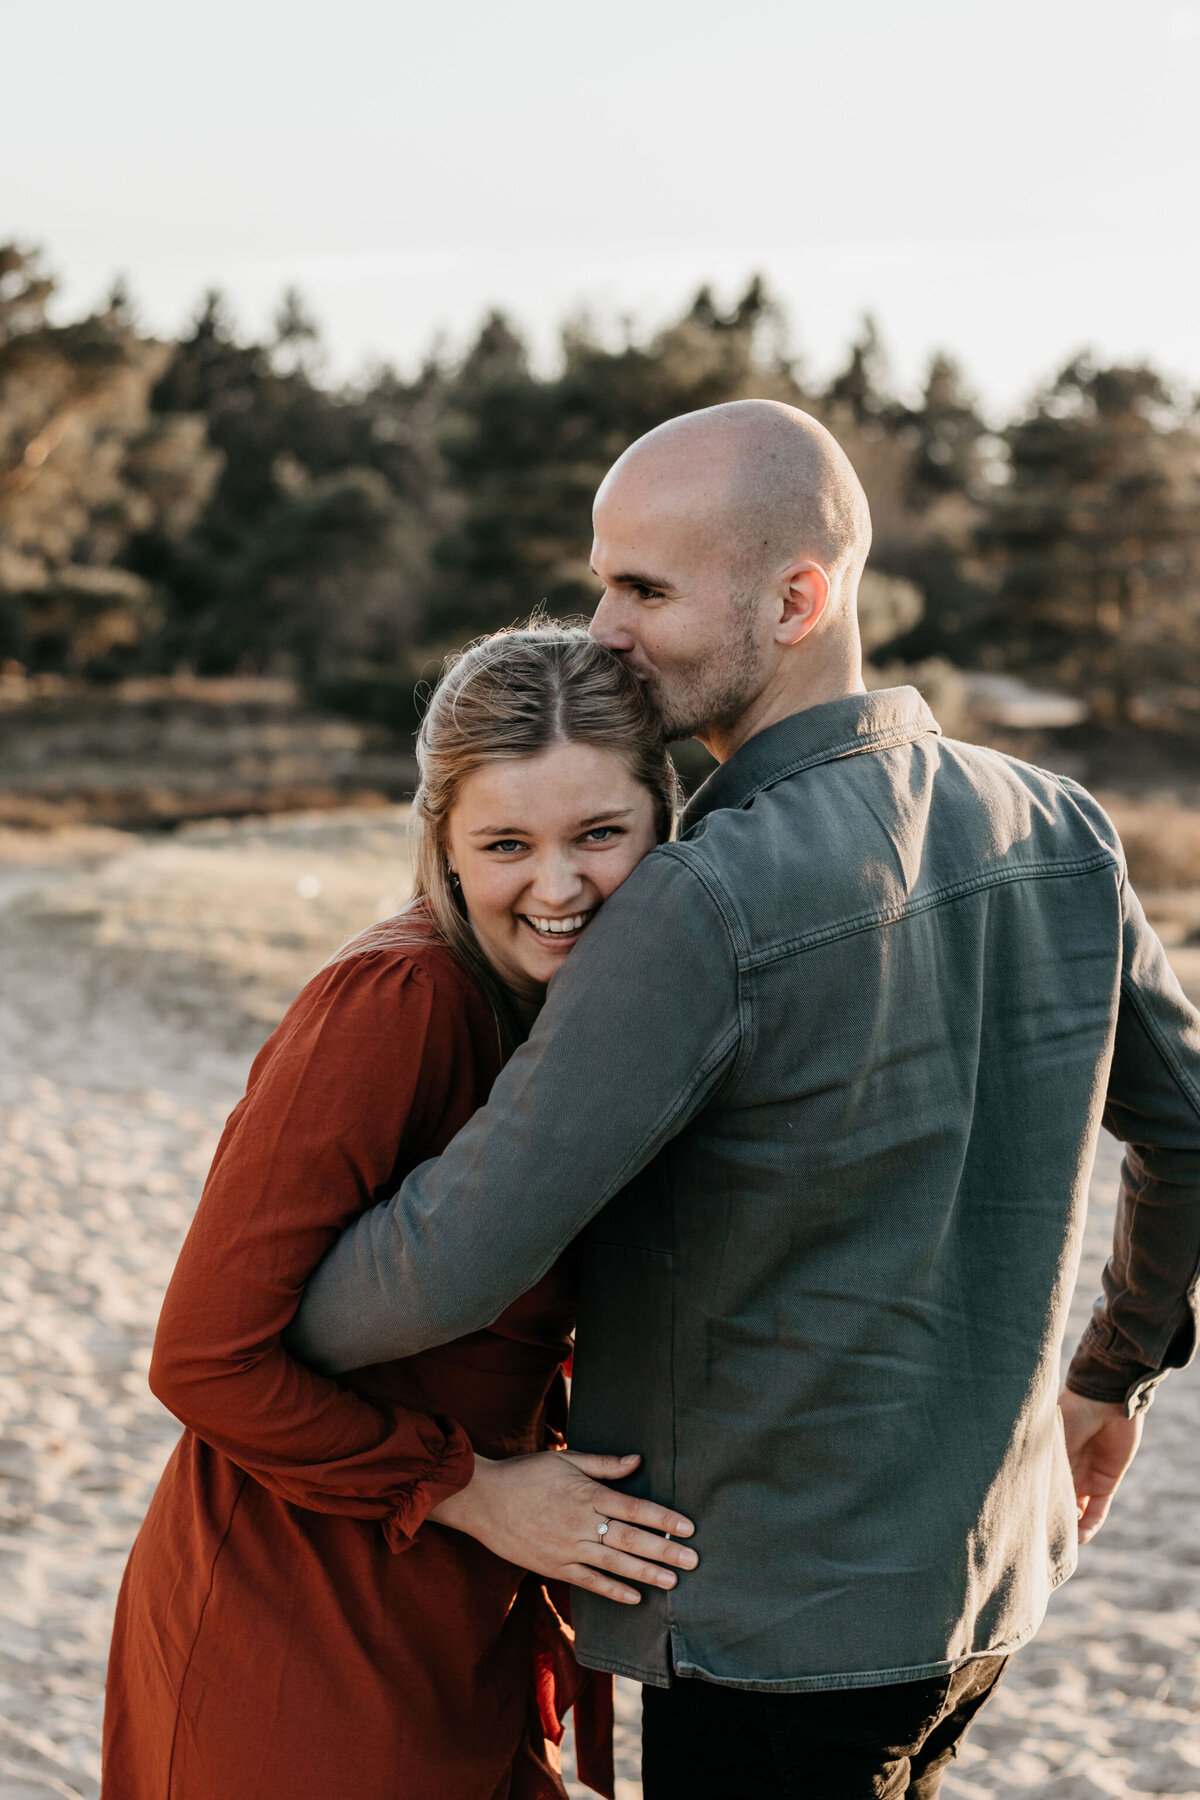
x: 454, y: 879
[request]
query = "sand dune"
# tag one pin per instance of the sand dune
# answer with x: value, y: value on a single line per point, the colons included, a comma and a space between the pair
x: 136, y: 978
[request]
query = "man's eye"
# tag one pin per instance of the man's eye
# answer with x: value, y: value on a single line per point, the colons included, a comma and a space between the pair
x: 600, y: 834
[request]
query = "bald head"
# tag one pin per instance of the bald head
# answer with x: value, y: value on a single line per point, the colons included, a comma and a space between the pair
x: 767, y: 483
x: 730, y: 543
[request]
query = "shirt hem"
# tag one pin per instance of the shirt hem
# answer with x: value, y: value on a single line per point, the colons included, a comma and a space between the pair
x: 813, y: 1684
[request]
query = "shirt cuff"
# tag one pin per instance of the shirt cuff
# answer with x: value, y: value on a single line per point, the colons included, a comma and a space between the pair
x: 451, y: 1472
x: 1096, y: 1374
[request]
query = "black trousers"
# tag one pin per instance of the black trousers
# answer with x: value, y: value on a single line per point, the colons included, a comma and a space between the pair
x: 703, y: 1742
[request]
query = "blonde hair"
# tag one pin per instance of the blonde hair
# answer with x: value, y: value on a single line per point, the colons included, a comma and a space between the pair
x: 514, y: 694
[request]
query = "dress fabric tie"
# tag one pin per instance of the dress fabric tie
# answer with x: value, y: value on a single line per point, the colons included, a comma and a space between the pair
x: 563, y: 1683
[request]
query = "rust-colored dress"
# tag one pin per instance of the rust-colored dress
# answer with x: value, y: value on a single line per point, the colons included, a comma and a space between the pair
x: 288, y: 1627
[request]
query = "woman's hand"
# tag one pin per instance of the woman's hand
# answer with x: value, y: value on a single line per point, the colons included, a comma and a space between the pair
x: 543, y: 1512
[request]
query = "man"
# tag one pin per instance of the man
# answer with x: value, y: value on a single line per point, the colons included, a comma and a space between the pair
x: 823, y: 1079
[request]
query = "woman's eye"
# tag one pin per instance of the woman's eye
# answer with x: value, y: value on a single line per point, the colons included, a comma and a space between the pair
x: 600, y: 834
x: 506, y: 845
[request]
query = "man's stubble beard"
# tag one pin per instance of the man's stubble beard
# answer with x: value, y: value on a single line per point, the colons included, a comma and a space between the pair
x: 715, y: 691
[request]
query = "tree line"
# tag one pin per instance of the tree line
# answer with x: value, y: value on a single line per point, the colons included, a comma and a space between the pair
x: 213, y: 503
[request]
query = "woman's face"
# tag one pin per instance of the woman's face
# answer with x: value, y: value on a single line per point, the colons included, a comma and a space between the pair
x: 539, y: 844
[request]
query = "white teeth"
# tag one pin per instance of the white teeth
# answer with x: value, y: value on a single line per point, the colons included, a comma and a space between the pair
x: 558, y: 927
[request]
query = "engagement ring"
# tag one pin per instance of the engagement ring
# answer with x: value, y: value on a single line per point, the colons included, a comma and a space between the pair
x: 602, y: 1527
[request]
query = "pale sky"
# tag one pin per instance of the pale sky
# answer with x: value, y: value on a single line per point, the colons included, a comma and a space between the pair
x: 1009, y: 181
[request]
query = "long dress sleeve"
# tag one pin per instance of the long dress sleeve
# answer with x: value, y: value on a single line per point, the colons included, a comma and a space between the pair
x: 354, y: 1078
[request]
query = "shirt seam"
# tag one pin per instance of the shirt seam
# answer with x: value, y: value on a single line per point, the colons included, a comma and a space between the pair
x: 727, y: 911
x: 711, y: 883
x: 873, y: 921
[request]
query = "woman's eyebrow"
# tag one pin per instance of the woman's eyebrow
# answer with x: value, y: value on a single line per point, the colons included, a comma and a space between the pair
x: 501, y: 831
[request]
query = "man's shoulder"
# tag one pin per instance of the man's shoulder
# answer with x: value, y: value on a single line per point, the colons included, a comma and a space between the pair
x: 818, y: 812
x: 870, y: 835
x: 1062, y: 812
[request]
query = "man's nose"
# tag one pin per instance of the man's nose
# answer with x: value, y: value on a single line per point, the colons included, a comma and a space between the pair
x: 608, y: 627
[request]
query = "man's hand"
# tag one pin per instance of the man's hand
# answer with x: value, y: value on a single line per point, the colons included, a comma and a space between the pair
x: 1101, y: 1444
x: 542, y: 1512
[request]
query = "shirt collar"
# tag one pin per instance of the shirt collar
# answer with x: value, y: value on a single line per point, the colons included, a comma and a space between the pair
x: 819, y: 734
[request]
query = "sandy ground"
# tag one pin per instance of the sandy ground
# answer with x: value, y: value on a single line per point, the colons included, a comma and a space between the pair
x: 136, y: 979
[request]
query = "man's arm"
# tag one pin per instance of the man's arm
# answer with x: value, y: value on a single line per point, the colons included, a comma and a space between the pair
x: 1145, y: 1324
x: 640, y: 1026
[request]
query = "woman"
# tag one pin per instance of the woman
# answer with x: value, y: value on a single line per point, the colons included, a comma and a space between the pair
x: 323, y: 1599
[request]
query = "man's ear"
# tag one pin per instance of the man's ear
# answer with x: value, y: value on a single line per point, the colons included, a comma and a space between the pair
x: 805, y: 596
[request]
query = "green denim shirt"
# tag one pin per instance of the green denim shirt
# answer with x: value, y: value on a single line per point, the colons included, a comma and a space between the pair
x: 822, y: 1084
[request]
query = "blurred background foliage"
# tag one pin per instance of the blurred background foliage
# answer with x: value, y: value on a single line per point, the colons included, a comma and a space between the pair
x: 213, y: 506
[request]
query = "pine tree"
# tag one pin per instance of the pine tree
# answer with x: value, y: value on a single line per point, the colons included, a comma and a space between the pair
x: 1098, y: 535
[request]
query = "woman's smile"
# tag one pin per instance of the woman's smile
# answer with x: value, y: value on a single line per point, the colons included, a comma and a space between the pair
x: 565, y: 930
